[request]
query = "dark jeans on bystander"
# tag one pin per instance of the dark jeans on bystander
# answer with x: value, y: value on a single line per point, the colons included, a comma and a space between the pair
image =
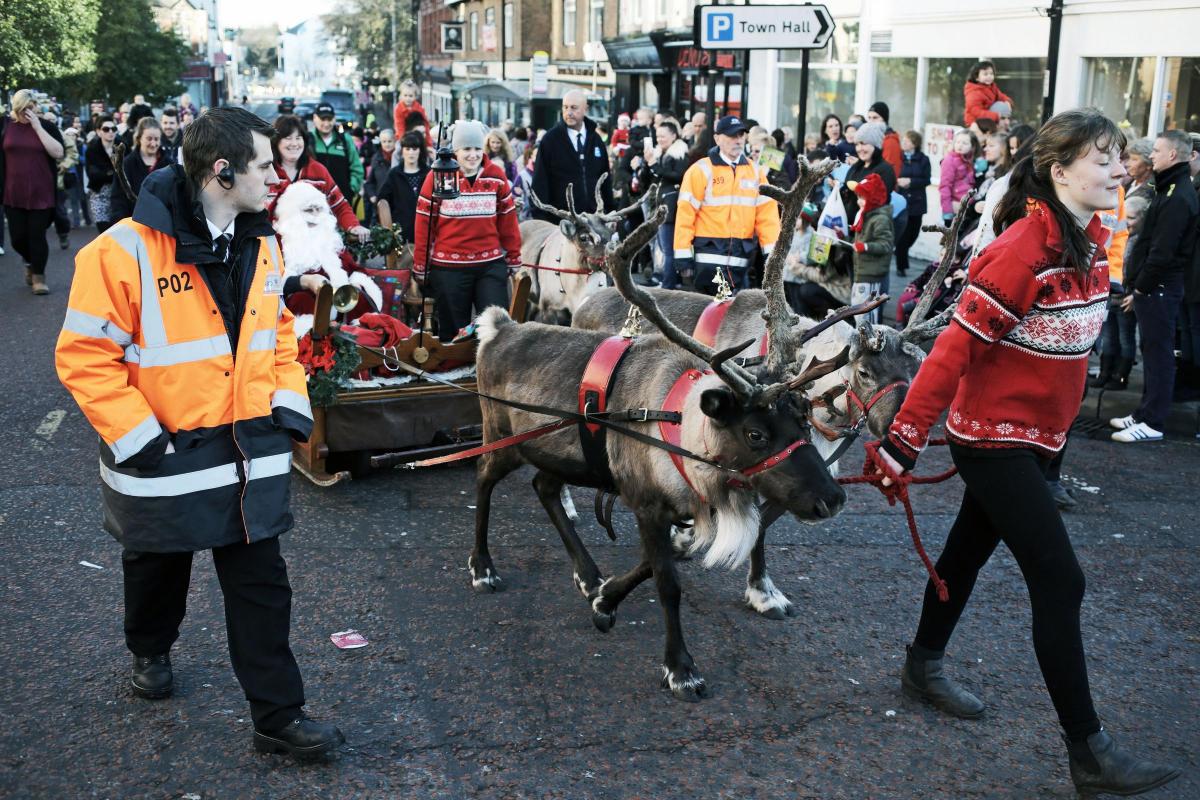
x: 458, y: 289
x: 1007, y: 500
x: 1157, y: 313
x: 27, y: 230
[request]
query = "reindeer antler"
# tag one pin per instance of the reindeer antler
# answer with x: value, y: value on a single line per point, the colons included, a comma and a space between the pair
x: 778, y: 313
x: 650, y: 198
x: 537, y: 201
x: 949, y: 244
x: 619, y: 258
x: 599, y: 194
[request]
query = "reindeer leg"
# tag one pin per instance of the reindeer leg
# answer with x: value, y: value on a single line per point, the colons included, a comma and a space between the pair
x: 761, y: 594
x: 587, y: 575
x: 679, y: 671
x: 612, y: 591
x: 491, y: 469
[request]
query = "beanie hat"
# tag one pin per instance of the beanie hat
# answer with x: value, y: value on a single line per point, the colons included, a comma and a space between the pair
x: 872, y: 133
x: 1141, y: 148
x: 1002, y: 108
x: 873, y: 190
x: 881, y: 108
x: 468, y: 133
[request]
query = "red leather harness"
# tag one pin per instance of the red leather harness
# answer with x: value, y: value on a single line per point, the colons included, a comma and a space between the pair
x: 598, y: 376
x: 709, y: 325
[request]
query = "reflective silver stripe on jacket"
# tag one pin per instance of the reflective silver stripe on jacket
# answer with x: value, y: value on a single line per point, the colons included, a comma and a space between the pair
x: 198, y: 481
x: 154, y: 330
x: 180, y: 353
x: 723, y: 260
x: 132, y: 443
x: 294, y: 401
x: 95, y: 327
x: 262, y: 340
x: 734, y: 200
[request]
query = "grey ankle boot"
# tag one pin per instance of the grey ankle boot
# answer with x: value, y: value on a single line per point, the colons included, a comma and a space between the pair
x: 1099, y: 766
x: 922, y: 678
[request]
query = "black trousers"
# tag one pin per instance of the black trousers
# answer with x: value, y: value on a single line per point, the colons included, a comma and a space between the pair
x: 27, y: 230
x: 1007, y: 500
x: 810, y: 299
x: 905, y: 240
x: 457, y: 289
x: 1157, y: 314
x: 258, y: 610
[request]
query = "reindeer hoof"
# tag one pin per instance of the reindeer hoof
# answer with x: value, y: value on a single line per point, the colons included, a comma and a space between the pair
x: 604, y: 622
x: 769, y: 601
x: 687, y: 686
x: 487, y: 584
x: 682, y: 539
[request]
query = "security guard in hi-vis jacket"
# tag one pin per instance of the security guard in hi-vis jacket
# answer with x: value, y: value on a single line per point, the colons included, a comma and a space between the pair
x: 180, y: 352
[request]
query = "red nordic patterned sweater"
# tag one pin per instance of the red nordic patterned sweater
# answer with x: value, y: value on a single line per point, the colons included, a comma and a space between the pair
x: 478, y: 226
x: 1012, y: 364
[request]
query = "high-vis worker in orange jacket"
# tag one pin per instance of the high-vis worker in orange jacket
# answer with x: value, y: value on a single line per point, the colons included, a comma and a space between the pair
x: 720, y: 218
x: 181, y: 354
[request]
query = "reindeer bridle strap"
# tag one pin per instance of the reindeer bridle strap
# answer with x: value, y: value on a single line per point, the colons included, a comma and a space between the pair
x: 865, y: 408
x: 770, y: 462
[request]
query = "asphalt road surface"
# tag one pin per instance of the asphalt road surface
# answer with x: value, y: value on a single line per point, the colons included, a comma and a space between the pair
x: 517, y: 695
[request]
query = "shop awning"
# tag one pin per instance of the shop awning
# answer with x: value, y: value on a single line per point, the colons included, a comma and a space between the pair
x: 519, y: 90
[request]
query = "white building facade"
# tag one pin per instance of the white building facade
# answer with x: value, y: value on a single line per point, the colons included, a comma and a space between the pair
x: 1137, y: 60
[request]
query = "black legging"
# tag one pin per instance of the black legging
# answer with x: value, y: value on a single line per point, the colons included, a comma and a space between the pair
x: 1007, y: 500
x: 905, y: 241
x: 810, y: 299
x: 27, y: 230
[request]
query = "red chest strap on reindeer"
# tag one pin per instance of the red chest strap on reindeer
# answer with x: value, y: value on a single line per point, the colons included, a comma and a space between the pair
x: 709, y: 325
x: 594, y: 388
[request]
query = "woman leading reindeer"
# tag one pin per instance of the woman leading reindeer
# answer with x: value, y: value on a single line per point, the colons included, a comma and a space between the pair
x: 1011, y: 368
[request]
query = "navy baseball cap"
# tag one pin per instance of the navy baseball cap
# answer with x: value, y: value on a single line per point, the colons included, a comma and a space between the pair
x: 323, y: 110
x: 730, y: 126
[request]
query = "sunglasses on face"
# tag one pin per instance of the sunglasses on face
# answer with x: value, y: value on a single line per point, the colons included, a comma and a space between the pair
x: 108, y: 128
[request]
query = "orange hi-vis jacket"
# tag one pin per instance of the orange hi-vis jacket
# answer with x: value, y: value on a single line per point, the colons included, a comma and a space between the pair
x: 1118, y: 226
x: 720, y: 214
x: 196, y: 436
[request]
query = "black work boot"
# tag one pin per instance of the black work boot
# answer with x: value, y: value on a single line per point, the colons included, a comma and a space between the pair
x: 303, y: 738
x: 922, y: 678
x: 1106, y: 371
x: 1099, y: 766
x: 152, y: 676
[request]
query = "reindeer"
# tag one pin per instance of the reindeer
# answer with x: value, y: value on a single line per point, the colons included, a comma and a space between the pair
x: 734, y: 416
x: 880, y: 360
x: 578, y: 242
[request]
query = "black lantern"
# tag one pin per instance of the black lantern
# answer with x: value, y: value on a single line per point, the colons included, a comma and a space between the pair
x: 445, y: 175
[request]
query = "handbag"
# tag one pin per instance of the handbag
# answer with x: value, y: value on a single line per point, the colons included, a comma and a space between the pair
x: 100, y: 204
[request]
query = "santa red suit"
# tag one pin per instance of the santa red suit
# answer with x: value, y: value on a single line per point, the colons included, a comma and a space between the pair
x: 312, y: 244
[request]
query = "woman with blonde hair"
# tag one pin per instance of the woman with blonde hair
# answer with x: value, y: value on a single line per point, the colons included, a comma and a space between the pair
x: 29, y: 151
x: 500, y: 153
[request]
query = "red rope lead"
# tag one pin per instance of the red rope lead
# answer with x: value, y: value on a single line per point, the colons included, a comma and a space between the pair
x: 875, y: 469
x: 544, y: 268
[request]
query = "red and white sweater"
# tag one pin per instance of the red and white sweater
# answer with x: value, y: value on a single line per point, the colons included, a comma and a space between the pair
x: 478, y: 226
x: 1012, y: 364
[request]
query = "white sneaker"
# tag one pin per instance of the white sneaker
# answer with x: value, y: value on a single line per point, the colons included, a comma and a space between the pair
x: 1121, y: 423
x: 1137, y: 432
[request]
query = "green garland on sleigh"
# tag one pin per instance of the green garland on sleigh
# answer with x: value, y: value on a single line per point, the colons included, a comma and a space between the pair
x: 382, y: 242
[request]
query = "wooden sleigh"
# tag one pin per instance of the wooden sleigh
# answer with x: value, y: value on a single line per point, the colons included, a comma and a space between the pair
x: 373, y: 427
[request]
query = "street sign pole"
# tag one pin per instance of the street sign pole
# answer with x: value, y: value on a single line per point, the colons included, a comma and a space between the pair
x: 802, y: 116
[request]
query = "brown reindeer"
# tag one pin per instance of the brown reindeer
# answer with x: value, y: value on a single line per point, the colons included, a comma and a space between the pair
x: 882, y: 361
x: 740, y: 420
x: 577, y: 242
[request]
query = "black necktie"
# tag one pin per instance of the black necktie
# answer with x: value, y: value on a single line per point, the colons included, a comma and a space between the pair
x: 221, y: 247
x: 579, y: 143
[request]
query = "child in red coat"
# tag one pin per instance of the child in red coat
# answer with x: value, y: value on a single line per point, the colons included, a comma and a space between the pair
x: 980, y: 92
x: 408, y: 105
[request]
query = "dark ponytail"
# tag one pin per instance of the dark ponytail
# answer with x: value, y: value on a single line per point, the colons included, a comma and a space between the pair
x: 1064, y: 138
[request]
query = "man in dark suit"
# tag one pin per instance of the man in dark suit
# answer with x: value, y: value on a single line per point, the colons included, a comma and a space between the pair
x: 571, y: 153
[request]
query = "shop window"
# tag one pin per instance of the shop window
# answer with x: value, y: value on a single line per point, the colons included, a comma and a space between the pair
x: 896, y: 85
x: 830, y: 91
x: 1181, y: 94
x: 569, y: 22
x: 1019, y: 78
x: 1121, y: 88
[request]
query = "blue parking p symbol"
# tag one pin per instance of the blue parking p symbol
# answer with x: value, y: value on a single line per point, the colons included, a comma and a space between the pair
x: 720, y: 27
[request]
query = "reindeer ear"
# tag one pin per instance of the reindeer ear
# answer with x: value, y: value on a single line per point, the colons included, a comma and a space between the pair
x: 567, y: 227
x: 719, y: 404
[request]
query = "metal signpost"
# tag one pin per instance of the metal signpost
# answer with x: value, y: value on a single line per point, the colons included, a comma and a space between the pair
x: 807, y: 27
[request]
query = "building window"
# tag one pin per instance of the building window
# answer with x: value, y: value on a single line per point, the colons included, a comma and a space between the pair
x: 830, y: 91
x: 473, y: 31
x: 1019, y: 78
x: 489, y: 15
x: 842, y: 48
x: 568, y: 22
x: 596, y: 21
x: 1181, y: 98
x: 660, y: 10
x: 1121, y: 88
x: 896, y: 84
x: 508, y: 24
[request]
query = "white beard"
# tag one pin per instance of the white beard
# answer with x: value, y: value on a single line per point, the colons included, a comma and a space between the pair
x: 312, y: 249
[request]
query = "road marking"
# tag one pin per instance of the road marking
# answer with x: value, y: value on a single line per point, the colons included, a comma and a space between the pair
x: 50, y: 423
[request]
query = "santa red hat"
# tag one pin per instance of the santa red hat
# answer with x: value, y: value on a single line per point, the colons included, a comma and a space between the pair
x: 873, y: 190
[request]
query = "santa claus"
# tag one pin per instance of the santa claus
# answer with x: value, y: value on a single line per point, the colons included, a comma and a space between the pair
x: 313, y: 253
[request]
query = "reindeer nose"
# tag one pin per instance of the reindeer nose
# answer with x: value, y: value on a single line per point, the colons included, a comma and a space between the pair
x: 829, y: 507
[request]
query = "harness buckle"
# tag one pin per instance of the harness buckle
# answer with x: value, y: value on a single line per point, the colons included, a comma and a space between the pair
x: 645, y: 415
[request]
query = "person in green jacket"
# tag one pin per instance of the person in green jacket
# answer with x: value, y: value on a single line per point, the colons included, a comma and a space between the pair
x: 874, y: 241
x: 333, y: 146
